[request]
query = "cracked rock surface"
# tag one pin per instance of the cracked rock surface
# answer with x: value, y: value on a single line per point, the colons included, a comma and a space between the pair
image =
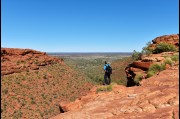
x: 157, y: 97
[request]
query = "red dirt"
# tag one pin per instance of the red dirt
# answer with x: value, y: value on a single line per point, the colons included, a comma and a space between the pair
x: 35, y: 90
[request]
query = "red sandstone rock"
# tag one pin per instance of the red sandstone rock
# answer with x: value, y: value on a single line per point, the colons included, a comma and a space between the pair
x: 14, y: 60
x: 136, y: 69
x: 171, y: 39
x: 141, y: 65
x: 156, y: 98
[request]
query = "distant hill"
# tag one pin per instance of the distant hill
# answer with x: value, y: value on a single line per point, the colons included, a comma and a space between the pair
x: 87, y: 53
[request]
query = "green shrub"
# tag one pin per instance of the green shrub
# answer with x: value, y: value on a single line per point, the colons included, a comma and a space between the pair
x: 146, y: 50
x: 163, y: 66
x: 138, y: 78
x: 164, y: 47
x: 98, y: 79
x: 104, y: 88
x: 175, y: 57
x: 121, y: 82
x: 136, y: 55
x: 150, y: 73
x: 154, y: 68
x: 168, y: 61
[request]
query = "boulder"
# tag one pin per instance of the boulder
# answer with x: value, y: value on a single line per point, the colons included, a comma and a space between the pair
x: 170, y: 39
x: 141, y: 65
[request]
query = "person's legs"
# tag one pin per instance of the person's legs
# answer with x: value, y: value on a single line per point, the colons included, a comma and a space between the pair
x: 105, y: 79
x: 128, y: 85
x: 133, y: 82
x: 128, y: 82
x: 109, y: 79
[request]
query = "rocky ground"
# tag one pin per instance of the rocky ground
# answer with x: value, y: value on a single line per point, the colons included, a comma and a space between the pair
x: 35, y: 85
x: 157, y: 97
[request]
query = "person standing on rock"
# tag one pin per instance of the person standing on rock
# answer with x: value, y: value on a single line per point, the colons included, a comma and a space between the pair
x: 130, y: 77
x: 107, y: 74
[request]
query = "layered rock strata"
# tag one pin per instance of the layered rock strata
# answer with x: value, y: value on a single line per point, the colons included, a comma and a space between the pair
x: 14, y: 60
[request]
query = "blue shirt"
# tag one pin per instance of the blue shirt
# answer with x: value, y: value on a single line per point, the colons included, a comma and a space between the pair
x: 106, y: 66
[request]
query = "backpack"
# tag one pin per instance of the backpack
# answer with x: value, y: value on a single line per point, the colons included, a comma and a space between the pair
x: 109, y: 69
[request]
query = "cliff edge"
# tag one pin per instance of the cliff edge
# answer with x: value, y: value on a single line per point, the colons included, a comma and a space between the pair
x: 15, y: 60
x: 157, y: 96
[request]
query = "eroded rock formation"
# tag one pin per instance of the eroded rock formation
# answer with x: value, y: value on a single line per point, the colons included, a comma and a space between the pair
x: 141, y: 66
x: 170, y: 39
x: 14, y: 60
x: 157, y: 97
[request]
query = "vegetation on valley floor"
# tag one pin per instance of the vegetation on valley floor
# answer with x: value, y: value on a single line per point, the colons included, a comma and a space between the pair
x: 37, y: 93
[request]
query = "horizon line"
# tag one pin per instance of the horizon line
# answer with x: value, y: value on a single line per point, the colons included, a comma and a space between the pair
x: 89, y: 52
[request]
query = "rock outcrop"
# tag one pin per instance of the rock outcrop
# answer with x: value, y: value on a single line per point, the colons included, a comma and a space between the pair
x: 14, y: 60
x: 141, y: 66
x: 157, y: 97
x: 170, y: 39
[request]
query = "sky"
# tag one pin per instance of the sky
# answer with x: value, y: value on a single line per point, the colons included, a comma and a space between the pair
x: 86, y: 25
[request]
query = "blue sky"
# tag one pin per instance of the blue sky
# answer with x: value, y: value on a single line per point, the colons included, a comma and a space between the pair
x: 86, y: 25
